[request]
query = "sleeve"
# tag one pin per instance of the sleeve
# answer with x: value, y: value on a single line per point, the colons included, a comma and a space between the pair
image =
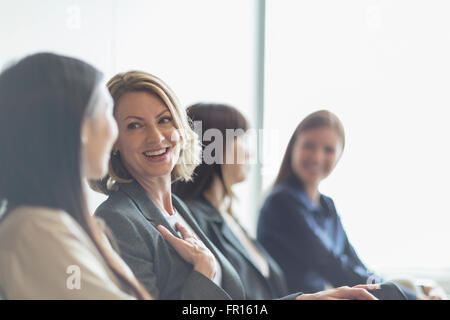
x: 354, y: 260
x: 48, y: 260
x: 287, y: 233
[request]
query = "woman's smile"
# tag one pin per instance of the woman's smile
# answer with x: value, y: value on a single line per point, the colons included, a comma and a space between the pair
x: 157, y: 155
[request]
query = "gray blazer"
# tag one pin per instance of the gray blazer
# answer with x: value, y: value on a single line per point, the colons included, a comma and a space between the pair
x: 133, y: 216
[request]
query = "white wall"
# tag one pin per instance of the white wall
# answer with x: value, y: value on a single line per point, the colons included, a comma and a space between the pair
x: 204, y: 49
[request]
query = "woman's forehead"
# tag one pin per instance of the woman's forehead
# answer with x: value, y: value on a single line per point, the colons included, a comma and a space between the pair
x: 140, y: 103
x: 326, y: 134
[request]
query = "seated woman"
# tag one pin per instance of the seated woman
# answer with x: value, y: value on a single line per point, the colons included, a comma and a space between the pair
x: 209, y: 198
x: 155, y: 147
x: 299, y: 226
x: 56, y: 128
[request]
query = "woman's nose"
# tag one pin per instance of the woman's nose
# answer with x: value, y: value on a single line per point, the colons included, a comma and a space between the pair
x: 318, y: 155
x: 154, y: 135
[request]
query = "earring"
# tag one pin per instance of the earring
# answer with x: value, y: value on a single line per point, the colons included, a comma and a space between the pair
x: 111, y: 184
x: 115, y: 153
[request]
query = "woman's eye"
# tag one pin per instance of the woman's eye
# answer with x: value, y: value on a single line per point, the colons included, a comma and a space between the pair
x: 329, y: 150
x: 133, y: 125
x: 165, y: 120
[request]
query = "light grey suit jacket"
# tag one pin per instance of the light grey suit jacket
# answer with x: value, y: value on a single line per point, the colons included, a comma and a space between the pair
x: 133, y: 216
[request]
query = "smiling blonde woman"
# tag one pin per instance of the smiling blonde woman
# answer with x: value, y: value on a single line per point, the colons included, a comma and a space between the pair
x: 155, y: 147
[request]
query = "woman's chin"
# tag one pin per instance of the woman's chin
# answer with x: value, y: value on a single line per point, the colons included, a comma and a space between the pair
x: 311, y: 180
x: 158, y: 172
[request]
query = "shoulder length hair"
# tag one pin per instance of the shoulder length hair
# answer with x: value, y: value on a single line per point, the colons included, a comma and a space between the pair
x: 318, y: 119
x: 44, y: 99
x: 140, y: 81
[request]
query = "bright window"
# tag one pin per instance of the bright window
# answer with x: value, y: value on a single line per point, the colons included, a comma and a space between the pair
x: 383, y: 67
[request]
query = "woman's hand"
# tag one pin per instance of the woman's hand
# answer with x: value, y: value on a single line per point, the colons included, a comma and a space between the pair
x: 342, y: 293
x: 191, y: 249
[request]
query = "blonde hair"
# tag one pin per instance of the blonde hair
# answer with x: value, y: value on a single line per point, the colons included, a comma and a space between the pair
x: 140, y: 81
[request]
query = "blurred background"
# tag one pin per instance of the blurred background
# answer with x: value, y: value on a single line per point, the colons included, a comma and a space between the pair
x: 383, y: 66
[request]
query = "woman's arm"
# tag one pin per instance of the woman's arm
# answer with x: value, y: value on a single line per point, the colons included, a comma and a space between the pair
x: 48, y: 259
x: 287, y: 233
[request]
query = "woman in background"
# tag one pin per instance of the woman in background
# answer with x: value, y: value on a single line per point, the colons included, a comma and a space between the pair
x: 298, y: 225
x: 209, y: 198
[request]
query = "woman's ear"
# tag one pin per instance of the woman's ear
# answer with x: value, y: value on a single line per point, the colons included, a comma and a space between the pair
x: 115, y: 149
x: 340, y: 152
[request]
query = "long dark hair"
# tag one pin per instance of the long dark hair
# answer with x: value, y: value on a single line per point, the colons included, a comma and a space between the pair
x: 43, y: 102
x: 212, y: 116
x: 318, y: 119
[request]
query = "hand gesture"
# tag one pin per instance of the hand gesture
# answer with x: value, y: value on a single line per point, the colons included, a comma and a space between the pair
x: 191, y: 249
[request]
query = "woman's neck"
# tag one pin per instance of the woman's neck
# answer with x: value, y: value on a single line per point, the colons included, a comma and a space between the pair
x: 217, y: 195
x: 312, y: 190
x: 159, y: 189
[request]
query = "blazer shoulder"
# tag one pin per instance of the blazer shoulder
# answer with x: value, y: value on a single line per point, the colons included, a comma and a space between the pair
x: 282, y: 195
x: 116, y: 202
x: 328, y: 200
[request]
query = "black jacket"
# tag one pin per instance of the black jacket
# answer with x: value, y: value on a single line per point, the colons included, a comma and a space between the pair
x: 256, y: 285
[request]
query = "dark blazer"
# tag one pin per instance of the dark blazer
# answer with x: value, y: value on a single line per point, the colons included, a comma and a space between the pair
x: 256, y: 285
x: 133, y: 216
x: 309, y: 241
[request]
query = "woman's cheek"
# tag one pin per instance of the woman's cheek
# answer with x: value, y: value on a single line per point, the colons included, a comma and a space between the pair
x: 174, y: 135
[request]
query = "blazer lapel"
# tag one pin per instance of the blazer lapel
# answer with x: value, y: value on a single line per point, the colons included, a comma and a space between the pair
x: 218, y: 221
x: 146, y: 205
x: 231, y: 282
x: 231, y: 238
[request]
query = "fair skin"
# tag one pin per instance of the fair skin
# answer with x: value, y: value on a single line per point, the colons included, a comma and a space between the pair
x: 98, y: 134
x: 235, y: 172
x: 314, y: 156
x: 149, y: 145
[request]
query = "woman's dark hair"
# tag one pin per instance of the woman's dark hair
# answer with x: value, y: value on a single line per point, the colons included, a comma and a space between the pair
x: 44, y: 99
x: 318, y: 119
x: 211, y: 116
